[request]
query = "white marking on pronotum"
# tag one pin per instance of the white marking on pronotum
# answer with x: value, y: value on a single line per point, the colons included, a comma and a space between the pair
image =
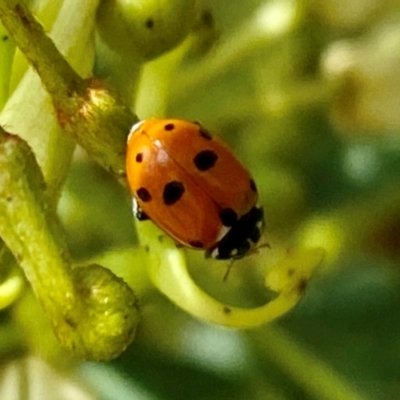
x: 222, y: 232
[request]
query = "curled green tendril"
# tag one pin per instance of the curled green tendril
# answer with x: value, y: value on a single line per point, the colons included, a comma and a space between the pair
x: 288, y: 278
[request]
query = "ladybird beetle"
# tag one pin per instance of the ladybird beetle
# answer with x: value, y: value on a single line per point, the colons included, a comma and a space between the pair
x: 190, y: 184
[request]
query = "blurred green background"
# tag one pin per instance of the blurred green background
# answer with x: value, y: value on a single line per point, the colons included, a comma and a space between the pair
x: 314, y: 113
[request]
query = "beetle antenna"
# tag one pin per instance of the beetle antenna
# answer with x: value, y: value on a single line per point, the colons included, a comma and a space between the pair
x: 228, y: 270
x: 255, y: 250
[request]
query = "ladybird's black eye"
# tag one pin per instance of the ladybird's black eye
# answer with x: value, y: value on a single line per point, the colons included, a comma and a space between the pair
x: 243, y: 249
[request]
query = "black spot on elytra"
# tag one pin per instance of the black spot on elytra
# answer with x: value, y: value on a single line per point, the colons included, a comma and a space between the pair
x: 228, y: 217
x: 205, y: 134
x: 197, y: 244
x: 169, y: 127
x: 172, y: 193
x: 149, y: 23
x: 143, y: 194
x: 253, y: 186
x: 205, y: 160
x: 5, y: 38
x: 139, y: 157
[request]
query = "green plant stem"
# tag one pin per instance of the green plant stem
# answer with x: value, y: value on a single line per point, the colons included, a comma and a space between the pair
x: 39, y: 48
x: 26, y: 230
x: 71, y: 27
x: 7, y: 50
x: 84, y: 108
